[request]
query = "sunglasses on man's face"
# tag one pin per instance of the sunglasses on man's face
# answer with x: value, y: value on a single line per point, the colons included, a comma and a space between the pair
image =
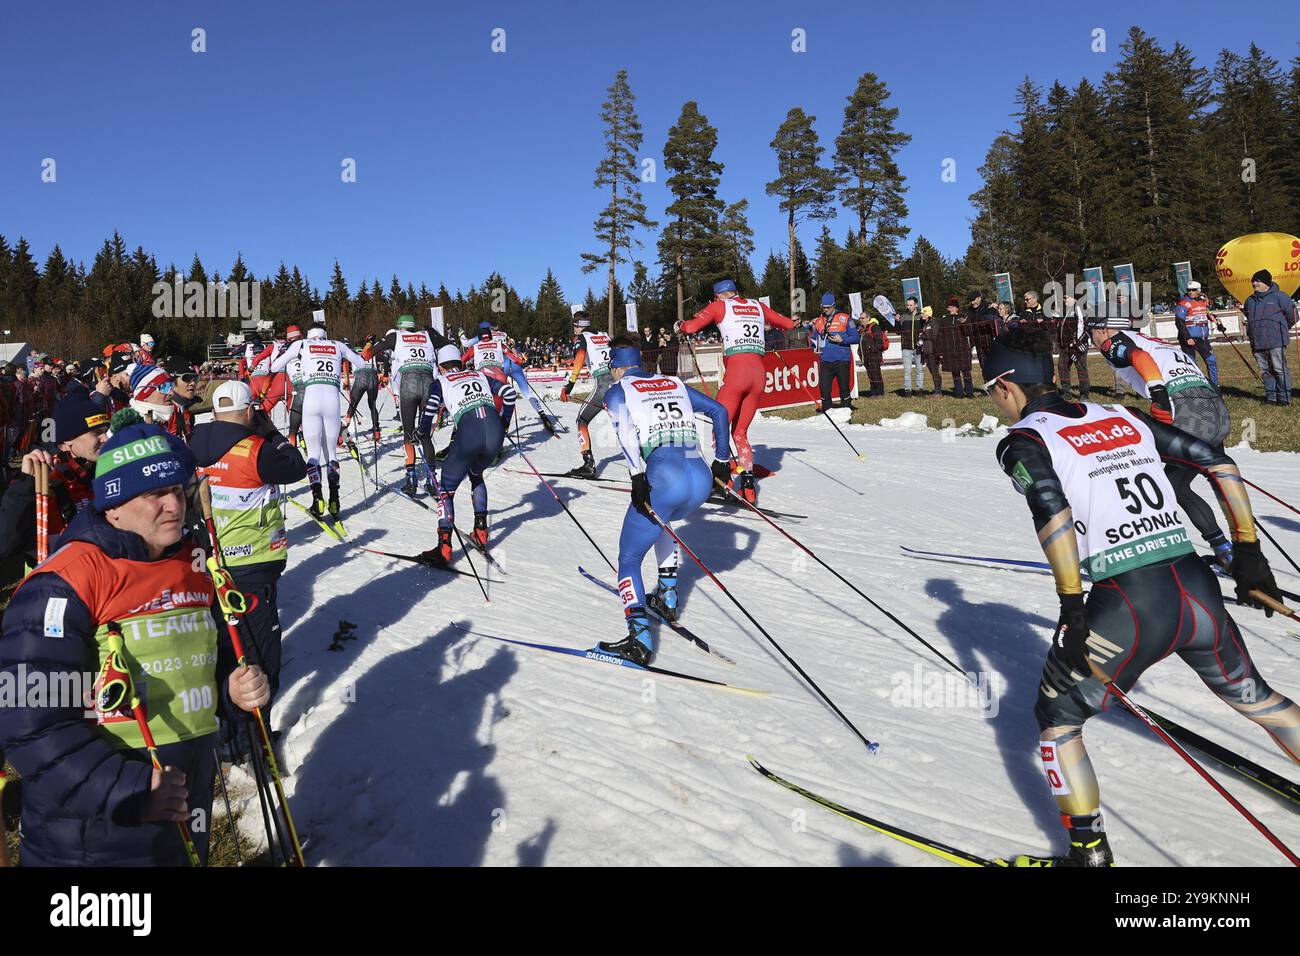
x: 187, y: 378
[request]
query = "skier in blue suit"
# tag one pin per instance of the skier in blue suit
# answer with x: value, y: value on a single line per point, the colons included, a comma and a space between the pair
x: 654, y: 418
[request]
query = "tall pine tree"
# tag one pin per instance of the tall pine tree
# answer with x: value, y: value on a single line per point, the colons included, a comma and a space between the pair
x: 618, y: 172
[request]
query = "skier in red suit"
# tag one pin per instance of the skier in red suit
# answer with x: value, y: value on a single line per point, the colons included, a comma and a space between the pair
x: 741, y: 322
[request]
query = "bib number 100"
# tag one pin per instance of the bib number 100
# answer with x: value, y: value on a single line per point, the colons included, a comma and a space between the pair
x: 195, y: 699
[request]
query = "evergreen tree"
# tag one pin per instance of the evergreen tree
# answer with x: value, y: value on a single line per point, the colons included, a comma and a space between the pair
x: 646, y: 294
x: 993, y: 230
x: 1154, y: 104
x: 692, y: 247
x: 619, y: 173
x: 927, y: 263
x: 740, y: 242
x: 1248, y: 138
x: 21, y: 285
x: 775, y: 281
x: 553, y: 317
x: 864, y: 162
x: 806, y: 188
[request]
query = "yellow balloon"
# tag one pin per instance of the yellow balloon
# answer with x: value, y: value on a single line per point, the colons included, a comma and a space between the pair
x: 1241, y: 258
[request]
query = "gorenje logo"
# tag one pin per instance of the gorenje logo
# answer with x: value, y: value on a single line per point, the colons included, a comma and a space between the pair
x: 76, y: 909
x: 1107, y: 434
x: 652, y: 384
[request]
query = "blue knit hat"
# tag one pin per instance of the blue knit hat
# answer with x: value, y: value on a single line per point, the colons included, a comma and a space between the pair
x: 76, y: 414
x: 137, y: 459
x: 828, y: 298
x: 724, y: 285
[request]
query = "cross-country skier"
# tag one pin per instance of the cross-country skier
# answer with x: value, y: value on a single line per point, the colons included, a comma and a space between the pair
x: 322, y: 369
x: 365, y: 382
x: 479, y: 408
x: 271, y: 390
x: 741, y: 322
x: 510, y: 364
x: 654, y: 418
x: 592, y: 350
x: 1091, y: 476
x: 412, y: 354
x: 1179, y: 395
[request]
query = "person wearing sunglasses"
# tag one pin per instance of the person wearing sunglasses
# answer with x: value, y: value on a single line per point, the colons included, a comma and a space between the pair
x: 184, y: 394
x: 1099, y: 497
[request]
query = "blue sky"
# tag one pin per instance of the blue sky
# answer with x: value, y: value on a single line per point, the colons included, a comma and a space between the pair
x: 469, y: 160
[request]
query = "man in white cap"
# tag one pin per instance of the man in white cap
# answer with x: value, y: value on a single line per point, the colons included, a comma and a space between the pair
x: 144, y: 354
x: 1192, y: 315
x: 244, y: 459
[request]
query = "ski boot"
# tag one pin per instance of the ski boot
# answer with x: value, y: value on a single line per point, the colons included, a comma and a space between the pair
x: 442, y: 455
x: 663, y: 600
x: 334, y: 497
x: 546, y: 422
x: 429, y: 489
x: 747, y: 487
x: 410, y: 487
x: 440, y: 556
x: 479, y: 536
x: 636, y: 646
x: 586, y: 470
x: 1088, y: 846
x: 317, y: 507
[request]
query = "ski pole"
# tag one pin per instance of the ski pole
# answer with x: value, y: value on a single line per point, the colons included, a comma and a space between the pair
x: 1224, y: 333
x: 1269, y: 494
x: 808, y: 551
x: 116, y: 687
x: 872, y: 746
x: 230, y: 814
x: 826, y: 412
x: 428, y: 470
x: 42, y: 511
x: 1142, y: 715
x: 233, y: 605
x: 1272, y: 540
x: 561, y: 503
x: 696, y: 362
x: 1277, y: 606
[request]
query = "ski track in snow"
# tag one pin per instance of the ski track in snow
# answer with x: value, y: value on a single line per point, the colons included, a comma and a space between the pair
x: 419, y: 744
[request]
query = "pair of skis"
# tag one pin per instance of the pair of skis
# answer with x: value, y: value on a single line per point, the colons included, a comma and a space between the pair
x: 334, y: 528
x: 935, y: 848
x: 602, y: 657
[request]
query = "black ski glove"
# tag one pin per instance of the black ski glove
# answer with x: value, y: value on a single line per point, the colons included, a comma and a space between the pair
x: 1162, y: 410
x: 721, y: 471
x: 1251, y: 572
x: 641, y: 493
x: 1072, y: 635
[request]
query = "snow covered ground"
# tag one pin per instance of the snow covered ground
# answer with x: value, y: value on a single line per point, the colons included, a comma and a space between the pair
x: 418, y: 744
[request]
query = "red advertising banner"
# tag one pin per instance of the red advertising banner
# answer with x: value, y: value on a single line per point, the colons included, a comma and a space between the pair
x: 792, y: 379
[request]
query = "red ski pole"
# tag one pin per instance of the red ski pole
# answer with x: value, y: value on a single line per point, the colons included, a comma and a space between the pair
x: 1191, y: 761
